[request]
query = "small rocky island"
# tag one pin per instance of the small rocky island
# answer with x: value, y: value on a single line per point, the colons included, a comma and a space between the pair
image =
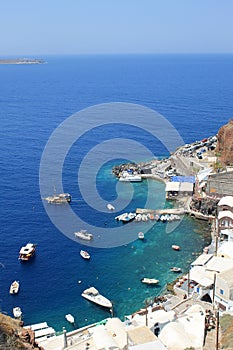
x: 21, y: 61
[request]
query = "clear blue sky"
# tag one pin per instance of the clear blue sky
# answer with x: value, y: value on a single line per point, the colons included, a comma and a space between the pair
x: 37, y: 27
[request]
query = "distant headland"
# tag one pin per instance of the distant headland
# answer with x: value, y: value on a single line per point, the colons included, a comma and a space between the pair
x: 21, y: 61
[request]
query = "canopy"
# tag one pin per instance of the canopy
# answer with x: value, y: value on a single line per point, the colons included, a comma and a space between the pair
x: 172, y: 186
x: 225, y: 214
x: 227, y: 200
x: 198, y: 275
x: 202, y: 175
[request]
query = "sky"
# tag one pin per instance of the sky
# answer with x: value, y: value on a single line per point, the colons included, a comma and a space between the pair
x: 40, y: 27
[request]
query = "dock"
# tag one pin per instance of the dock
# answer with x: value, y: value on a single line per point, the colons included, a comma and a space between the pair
x: 42, y: 331
x: 175, y: 211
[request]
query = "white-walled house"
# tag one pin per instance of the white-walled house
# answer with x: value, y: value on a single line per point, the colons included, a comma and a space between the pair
x: 224, y: 290
x: 225, y: 219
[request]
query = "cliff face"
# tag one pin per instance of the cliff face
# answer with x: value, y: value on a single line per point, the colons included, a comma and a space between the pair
x: 13, y: 336
x: 225, y: 143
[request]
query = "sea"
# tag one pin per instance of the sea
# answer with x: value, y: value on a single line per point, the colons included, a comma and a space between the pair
x: 62, y: 126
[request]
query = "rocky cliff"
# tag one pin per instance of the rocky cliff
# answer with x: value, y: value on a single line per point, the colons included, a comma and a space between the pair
x: 13, y: 336
x: 225, y: 143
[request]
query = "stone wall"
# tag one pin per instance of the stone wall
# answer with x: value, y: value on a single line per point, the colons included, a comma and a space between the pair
x: 220, y: 184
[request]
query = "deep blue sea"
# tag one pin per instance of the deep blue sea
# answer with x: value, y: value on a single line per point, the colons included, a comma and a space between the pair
x: 193, y: 92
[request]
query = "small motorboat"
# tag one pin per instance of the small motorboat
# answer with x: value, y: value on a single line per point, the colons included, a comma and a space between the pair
x: 69, y: 318
x: 175, y: 247
x: 83, y: 234
x: 149, y: 280
x: 17, y: 312
x: 175, y: 269
x: 84, y: 254
x: 141, y: 235
x: 14, y: 288
x: 110, y: 206
x: 126, y: 217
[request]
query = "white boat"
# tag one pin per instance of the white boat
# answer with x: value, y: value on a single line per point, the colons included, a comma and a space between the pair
x: 126, y: 217
x: 141, y: 235
x: 130, y: 177
x: 175, y: 269
x: 14, y: 288
x: 92, y: 294
x: 84, y: 254
x: 27, y: 252
x: 59, y: 198
x: 83, y: 234
x: 17, y: 312
x: 149, y: 280
x: 69, y: 318
x: 110, y: 206
x: 175, y: 247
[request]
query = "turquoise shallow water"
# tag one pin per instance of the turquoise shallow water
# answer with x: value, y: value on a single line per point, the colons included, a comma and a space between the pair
x: 34, y: 101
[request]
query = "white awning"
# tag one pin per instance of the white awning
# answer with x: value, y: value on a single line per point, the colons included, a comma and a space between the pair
x: 202, y: 259
x: 198, y: 275
x: 172, y: 186
x: 225, y: 214
x: 203, y: 174
x: 227, y: 200
x: 186, y: 187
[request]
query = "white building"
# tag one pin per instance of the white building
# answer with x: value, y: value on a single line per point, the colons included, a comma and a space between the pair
x: 224, y: 290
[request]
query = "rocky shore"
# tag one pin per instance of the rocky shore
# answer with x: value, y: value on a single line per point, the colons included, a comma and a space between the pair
x: 13, y: 336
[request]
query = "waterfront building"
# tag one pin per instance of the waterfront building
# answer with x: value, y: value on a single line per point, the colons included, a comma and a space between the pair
x: 224, y: 291
x: 225, y: 219
x: 180, y: 185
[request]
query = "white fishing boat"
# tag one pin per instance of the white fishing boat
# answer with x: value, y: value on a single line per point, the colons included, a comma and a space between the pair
x: 110, y: 206
x: 17, y: 312
x: 141, y: 235
x: 84, y: 254
x: 92, y: 294
x: 59, y: 198
x: 83, y: 234
x: 130, y: 177
x: 69, y: 318
x: 14, y: 288
x: 149, y: 280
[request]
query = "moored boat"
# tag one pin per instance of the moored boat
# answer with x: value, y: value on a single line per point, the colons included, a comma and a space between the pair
x: 110, y: 206
x: 92, y: 294
x: 14, y: 288
x: 84, y: 254
x: 126, y: 217
x: 69, y: 318
x: 27, y: 252
x: 83, y: 234
x: 149, y: 280
x: 130, y: 177
x: 17, y: 312
x: 175, y: 247
x: 175, y: 269
x: 141, y: 235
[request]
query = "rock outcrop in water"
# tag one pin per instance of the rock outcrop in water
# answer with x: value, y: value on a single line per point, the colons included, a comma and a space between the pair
x: 225, y: 143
